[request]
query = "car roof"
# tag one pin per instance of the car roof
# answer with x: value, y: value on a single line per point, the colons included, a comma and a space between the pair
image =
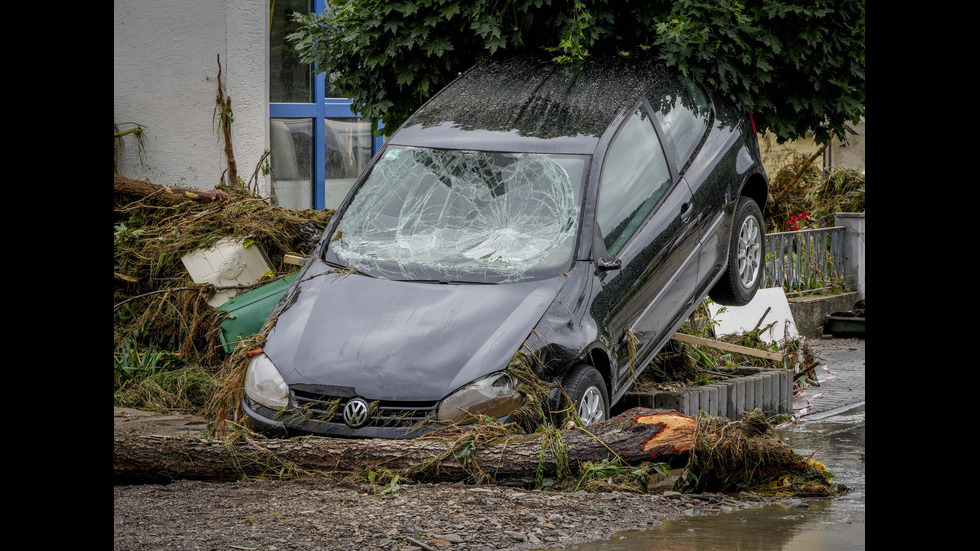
x: 528, y: 102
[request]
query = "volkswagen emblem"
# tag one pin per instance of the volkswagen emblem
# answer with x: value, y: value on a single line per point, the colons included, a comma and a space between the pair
x: 356, y: 413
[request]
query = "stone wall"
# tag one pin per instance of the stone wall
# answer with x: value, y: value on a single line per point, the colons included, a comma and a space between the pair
x: 849, y: 154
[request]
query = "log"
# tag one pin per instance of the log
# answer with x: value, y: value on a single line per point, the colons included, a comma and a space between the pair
x: 139, y: 189
x: 635, y: 436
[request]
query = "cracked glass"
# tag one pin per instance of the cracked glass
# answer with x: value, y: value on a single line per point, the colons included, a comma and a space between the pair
x: 463, y: 216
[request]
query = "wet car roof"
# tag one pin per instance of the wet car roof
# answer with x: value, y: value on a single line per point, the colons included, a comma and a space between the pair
x: 528, y: 102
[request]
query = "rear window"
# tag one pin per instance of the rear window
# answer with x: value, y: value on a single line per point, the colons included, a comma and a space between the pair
x: 685, y: 114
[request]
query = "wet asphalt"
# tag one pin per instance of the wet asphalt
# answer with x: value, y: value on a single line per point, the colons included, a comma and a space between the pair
x: 841, y: 376
x: 830, y: 428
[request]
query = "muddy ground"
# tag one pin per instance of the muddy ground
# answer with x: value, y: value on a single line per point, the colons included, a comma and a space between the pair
x: 330, y: 514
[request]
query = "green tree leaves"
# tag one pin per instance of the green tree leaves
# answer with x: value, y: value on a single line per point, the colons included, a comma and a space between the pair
x: 798, y: 64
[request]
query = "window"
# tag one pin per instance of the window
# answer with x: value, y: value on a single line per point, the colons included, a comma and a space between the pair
x: 687, y: 119
x: 319, y: 146
x: 634, y: 178
x: 446, y: 215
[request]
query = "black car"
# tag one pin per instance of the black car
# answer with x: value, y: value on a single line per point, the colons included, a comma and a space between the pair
x: 577, y: 212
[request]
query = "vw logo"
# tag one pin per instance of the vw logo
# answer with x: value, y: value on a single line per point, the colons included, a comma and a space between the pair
x: 356, y: 413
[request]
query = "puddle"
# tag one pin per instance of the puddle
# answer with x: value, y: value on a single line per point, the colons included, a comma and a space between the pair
x: 820, y: 525
x: 771, y: 528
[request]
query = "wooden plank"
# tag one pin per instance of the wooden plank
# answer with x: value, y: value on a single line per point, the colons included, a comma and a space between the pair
x: 293, y: 259
x: 728, y: 346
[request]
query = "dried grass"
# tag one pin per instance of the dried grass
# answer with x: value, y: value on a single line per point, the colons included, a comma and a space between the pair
x: 747, y: 455
x: 821, y: 196
x: 159, y: 307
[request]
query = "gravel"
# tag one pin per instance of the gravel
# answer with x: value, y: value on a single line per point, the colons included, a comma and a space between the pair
x: 325, y: 513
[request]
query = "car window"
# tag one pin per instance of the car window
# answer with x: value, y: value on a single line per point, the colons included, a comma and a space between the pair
x: 634, y: 178
x: 471, y: 216
x: 685, y: 114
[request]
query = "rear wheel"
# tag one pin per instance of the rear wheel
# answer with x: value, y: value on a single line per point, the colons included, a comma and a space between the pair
x: 586, y: 390
x: 745, y: 257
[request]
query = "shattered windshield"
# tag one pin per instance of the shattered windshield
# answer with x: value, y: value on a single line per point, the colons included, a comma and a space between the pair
x: 449, y: 215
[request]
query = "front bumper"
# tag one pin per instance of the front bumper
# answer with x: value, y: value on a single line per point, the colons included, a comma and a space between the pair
x: 278, y: 424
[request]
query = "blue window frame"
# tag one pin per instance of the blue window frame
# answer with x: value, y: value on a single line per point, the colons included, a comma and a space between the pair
x: 319, y: 145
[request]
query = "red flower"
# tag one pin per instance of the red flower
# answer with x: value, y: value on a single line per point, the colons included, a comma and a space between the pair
x: 794, y: 220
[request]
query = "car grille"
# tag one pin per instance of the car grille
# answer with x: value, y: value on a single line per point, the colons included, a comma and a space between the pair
x: 386, y: 413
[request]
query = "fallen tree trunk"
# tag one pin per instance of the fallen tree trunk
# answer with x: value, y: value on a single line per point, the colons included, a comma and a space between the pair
x: 122, y: 185
x: 637, y: 435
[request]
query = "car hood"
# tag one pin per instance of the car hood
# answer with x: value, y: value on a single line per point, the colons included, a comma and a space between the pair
x: 399, y: 340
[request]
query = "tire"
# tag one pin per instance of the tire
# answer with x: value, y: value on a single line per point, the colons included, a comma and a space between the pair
x: 746, y: 249
x: 586, y: 391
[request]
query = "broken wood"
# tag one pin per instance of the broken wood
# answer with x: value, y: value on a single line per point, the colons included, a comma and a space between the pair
x: 728, y: 346
x: 139, y: 189
x: 637, y: 435
x: 294, y: 259
x: 222, y: 111
x: 799, y: 174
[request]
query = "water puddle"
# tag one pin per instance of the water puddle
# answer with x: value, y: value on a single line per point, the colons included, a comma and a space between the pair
x: 802, y: 525
x: 771, y: 528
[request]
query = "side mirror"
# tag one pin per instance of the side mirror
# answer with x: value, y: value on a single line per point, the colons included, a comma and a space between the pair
x: 607, y: 265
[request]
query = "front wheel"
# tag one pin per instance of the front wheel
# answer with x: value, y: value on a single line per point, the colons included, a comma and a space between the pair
x: 745, y: 257
x: 586, y: 391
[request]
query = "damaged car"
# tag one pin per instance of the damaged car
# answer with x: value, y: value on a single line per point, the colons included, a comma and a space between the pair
x: 575, y: 214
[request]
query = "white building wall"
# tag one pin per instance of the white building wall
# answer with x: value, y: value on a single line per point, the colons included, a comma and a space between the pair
x: 165, y: 69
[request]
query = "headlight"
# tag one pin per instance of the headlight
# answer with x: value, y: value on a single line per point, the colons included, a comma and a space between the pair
x: 495, y: 395
x: 264, y: 384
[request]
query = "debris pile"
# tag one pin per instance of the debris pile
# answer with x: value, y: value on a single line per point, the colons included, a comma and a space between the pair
x: 168, y: 355
x: 803, y: 198
x: 166, y: 338
x: 747, y: 455
x: 682, y: 364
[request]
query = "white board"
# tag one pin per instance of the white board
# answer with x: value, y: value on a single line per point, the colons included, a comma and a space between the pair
x: 227, y: 264
x: 741, y: 319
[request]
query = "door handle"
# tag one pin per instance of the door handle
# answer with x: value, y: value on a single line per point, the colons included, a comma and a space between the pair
x: 607, y: 265
x: 686, y: 210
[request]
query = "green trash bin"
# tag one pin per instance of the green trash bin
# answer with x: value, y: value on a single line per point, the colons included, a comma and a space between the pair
x: 248, y: 311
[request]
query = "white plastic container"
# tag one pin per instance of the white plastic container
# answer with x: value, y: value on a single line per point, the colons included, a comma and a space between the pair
x: 228, y: 263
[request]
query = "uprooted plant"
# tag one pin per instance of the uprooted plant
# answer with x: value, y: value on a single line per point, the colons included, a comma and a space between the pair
x: 747, y: 455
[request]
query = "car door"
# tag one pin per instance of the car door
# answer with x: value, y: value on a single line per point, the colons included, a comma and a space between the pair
x: 645, y: 245
x: 685, y: 114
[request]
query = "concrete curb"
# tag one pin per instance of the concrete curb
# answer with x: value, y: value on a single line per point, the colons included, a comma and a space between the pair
x: 770, y: 390
x: 810, y: 312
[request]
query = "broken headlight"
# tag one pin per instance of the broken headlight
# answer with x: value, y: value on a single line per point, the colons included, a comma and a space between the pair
x: 495, y: 395
x: 264, y: 384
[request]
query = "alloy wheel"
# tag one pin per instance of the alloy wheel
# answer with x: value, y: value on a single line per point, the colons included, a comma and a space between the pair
x: 749, y: 251
x: 590, y: 408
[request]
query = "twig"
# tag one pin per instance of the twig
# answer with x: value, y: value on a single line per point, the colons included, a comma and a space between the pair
x: 420, y: 544
x: 764, y: 314
x: 224, y: 123
x: 254, y: 188
x: 194, y: 288
x: 799, y: 173
x: 809, y: 457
